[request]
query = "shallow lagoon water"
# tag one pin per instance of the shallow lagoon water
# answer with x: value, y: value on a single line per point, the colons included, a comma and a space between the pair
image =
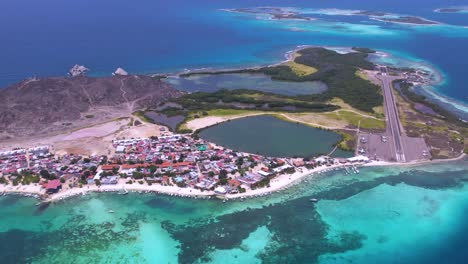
x: 260, y: 82
x: 269, y: 136
x: 382, y: 215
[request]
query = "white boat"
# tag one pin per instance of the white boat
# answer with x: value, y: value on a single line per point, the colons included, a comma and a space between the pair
x: 111, y: 211
x: 314, y: 200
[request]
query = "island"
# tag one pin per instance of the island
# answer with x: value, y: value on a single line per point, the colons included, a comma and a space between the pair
x: 273, y: 13
x: 461, y: 9
x: 299, y: 14
x: 413, y: 20
x: 154, y: 140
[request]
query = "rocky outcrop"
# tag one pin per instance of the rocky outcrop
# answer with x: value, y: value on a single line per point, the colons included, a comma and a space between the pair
x: 77, y: 70
x: 120, y: 72
x: 44, y: 105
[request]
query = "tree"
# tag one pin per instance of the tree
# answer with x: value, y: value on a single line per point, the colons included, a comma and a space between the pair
x: 45, y: 174
x: 98, y: 182
x: 62, y: 180
x: 3, y: 180
x: 223, y: 174
x: 137, y: 175
x: 223, y: 181
x: 93, y: 169
x: 181, y: 158
x: 152, y: 168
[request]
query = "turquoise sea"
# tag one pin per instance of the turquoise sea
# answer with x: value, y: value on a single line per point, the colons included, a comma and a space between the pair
x: 382, y: 215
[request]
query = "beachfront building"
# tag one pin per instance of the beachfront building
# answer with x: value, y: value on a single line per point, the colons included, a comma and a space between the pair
x: 52, y: 186
x: 108, y: 180
x: 169, y: 160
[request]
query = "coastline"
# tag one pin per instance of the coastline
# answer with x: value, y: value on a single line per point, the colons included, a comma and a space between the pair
x: 277, y: 184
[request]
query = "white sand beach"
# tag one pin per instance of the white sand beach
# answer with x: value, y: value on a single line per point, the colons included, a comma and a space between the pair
x: 276, y: 184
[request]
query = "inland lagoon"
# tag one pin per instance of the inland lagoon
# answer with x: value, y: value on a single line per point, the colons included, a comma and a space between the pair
x: 231, y: 81
x: 269, y: 136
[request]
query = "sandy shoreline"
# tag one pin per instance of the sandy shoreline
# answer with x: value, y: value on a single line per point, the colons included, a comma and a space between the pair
x: 276, y: 184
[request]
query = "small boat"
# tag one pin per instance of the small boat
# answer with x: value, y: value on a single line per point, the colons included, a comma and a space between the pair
x: 314, y: 200
x: 111, y: 211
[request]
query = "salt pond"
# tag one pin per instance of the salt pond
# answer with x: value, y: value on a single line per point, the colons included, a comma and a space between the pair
x: 269, y: 136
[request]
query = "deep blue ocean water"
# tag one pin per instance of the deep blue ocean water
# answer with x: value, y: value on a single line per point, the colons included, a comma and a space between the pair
x: 46, y: 38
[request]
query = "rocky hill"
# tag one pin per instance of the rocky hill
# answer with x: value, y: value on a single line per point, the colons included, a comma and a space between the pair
x: 51, y: 105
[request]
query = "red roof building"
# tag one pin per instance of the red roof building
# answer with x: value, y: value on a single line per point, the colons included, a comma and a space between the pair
x: 53, y: 186
x: 234, y: 183
x: 109, y: 167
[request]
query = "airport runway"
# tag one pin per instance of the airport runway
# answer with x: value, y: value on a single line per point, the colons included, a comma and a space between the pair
x: 391, y: 114
x: 393, y: 144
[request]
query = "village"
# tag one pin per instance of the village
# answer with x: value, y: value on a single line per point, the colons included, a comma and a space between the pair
x: 176, y: 160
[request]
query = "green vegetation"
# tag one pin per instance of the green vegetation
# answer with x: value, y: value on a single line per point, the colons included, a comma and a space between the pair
x: 141, y: 115
x: 233, y: 102
x: 346, y: 142
x: 300, y: 69
x: 362, y: 75
x: 405, y: 89
x: 228, y: 112
x: 357, y: 120
x: 363, y: 50
x: 3, y: 180
x: 265, y: 182
x: 251, y: 99
x: 338, y: 72
x: 26, y: 177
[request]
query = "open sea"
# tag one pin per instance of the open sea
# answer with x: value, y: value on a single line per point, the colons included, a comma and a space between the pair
x: 46, y: 38
x: 382, y: 215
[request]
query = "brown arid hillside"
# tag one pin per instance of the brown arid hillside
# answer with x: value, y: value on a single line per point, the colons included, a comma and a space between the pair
x: 43, y: 106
